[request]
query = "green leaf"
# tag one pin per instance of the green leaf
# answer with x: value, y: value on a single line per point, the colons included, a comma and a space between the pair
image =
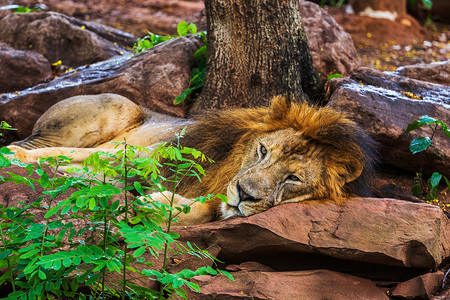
x: 180, y: 98
x: 51, y: 212
x: 44, y: 180
x: 74, y: 285
x: 226, y: 274
x: 417, y: 190
x: 138, y: 188
x: 192, y: 28
x: 4, y: 162
x: 186, y: 209
x: 67, y: 262
x: 79, y: 202
x: 193, y: 286
x: 200, y: 52
x: 39, y: 288
x: 182, y: 28
x: 76, y: 260
x: 92, y: 203
x: 427, y: 3
x: 29, y: 254
x: 420, y: 144
x: 5, y: 254
x: 93, y: 279
x: 31, y: 266
x: 425, y: 119
x: 335, y: 75
x: 414, y: 125
x: 42, y: 275
x: 31, y: 294
x: 187, y: 273
x: 65, y: 209
x: 139, y: 251
x: 222, y: 198
x: 57, y: 265
x: 6, y: 151
x: 435, y: 179
x: 177, y: 283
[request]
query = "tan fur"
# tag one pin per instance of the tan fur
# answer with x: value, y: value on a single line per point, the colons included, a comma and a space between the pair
x: 329, y: 155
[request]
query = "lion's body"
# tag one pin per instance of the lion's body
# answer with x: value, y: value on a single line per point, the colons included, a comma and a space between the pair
x: 263, y: 156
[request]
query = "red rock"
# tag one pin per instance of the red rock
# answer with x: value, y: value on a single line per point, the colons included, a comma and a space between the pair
x: 57, y: 37
x: 332, y: 49
x: 438, y: 72
x: 380, y: 103
x: 422, y: 287
x: 379, y: 231
x: 317, y: 284
x: 21, y: 69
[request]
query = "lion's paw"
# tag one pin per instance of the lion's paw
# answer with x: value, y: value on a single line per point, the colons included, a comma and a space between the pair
x: 163, y: 197
x: 19, y: 153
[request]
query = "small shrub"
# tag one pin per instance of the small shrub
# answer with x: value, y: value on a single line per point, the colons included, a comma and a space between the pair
x: 427, y: 190
x: 53, y: 259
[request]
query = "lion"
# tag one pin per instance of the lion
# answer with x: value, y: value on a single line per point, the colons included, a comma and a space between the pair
x: 264, y: 157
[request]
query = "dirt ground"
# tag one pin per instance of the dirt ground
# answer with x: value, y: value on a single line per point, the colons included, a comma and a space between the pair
x: 381, y: 44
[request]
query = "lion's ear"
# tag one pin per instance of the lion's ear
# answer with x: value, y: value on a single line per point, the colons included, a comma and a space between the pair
x: 345, y: 153
x: 279, y: 108
x: 353, y: 171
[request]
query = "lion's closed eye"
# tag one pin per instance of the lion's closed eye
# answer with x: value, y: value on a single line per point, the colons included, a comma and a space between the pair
x: 293, y: 178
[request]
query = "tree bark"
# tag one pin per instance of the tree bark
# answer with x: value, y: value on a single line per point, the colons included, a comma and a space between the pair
x: 257, y: 49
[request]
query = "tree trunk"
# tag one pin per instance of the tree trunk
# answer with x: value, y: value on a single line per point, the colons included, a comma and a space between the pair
x: 257, y: 49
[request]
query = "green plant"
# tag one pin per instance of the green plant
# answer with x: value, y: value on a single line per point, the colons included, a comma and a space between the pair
x: 428, y: 4
x: 197, y: 78
x: 19, y: 9
x: 336, y: 3
x: 5, y: 126
x: 334, y: 75
x: 150, y: 40
x: 198, y: 73
x: 53, y: 259
x: 429, y: 191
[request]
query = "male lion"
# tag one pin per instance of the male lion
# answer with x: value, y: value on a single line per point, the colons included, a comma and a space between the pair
x: 289, y: 152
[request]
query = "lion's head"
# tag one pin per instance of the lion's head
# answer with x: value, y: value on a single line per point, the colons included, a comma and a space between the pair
x: 289, y: 152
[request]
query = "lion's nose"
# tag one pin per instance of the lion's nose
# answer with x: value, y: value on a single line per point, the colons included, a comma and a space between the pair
x: 243, y: 196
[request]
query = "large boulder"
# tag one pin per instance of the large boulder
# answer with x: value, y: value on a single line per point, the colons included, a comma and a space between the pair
x: 362, y: 230
x: 385, y: 104
x: 59, y: 37
x: 21, y: 69
x: 332, y: 48
x: 151, y: 78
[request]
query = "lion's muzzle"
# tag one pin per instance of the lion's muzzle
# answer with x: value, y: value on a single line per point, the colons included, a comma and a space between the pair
x: 243, y: 195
